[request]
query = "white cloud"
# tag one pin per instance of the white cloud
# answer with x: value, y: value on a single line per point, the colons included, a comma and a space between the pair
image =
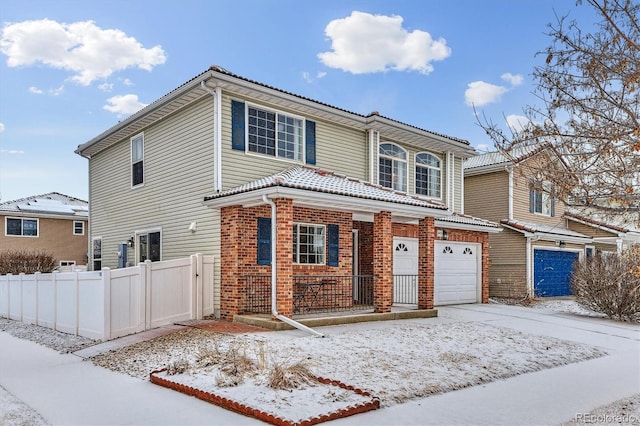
x: 11, y: 152
x: 481, y: 93
x: 514, y: 80
x: 482, y: 147
x: 106, y: 87
x: 2, y: 127
x: 35, y: 90
x: 56, y: 92
x: 126, y: 81
x: 366, y: 43
x: 517, y: 122
x: 306, y: 76
x: 124, y: 104
x: 87, y: 50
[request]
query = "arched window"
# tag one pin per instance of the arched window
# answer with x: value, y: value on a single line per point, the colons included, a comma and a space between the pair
x: 392, y: 167
x: 428, y: 175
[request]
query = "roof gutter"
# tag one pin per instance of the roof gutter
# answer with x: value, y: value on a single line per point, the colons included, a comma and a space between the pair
x: 217, y: 134
x: 274, y: 277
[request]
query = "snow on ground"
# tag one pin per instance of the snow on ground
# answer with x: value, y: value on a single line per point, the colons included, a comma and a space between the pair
x: 395, y: 362
x: 409, y: 360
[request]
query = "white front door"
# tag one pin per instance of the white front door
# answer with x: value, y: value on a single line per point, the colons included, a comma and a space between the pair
x: 405, y: 270
x: 457, y: 273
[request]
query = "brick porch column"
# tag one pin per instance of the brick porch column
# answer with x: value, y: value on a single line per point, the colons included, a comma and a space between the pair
x: 284, y: 256
x: 426, y: 238
x: 485, y: 267
x: 229, y: 263
x: 382, y: 262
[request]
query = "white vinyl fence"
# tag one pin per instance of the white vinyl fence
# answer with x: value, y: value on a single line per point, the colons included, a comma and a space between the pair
x: 112, y: 302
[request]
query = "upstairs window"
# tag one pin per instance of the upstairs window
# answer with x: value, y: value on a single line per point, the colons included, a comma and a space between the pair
x: 21, y: 227
x: 137, y: 160
x: 541, y: 198
x: 392, y: 167
x: 275, y: 134
x: 428, y: 175
x: 78, y: 227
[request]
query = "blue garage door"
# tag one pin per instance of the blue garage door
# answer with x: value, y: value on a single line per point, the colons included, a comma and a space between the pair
x: 552, y: 272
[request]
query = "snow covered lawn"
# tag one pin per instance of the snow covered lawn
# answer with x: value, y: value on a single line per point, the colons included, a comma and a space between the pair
x: 395, y: 362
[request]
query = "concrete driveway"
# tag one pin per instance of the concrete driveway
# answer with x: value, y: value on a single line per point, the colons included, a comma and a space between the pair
x: 66, y: 390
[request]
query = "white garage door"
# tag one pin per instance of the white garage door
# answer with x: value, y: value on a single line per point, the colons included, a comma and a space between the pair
x: 457, y: 273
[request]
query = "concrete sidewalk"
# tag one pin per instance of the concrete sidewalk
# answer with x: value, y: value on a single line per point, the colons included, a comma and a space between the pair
x: 66, y: 390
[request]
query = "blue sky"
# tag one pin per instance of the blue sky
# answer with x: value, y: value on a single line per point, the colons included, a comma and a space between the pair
x: 69, y: 70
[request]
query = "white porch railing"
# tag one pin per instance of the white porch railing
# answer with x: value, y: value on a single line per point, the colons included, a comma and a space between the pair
x: 112, y: 302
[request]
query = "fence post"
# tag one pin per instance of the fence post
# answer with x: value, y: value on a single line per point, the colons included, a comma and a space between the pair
x: 9, y: 295
x: 21, y: 296
x: 196, y: 285
x: 77, y: 283
x: 37, y: 283
x: 145, y: 283
x: 106, y: 286
x: 54, y: 279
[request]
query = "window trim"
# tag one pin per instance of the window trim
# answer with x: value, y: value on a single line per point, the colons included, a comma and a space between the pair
x: 74, y: 227
x: 67, y: 263
x: 295, y: 246
x: 93, y: 253
x: 132, y: 139
x: 21, y: 219
x: 544, y: 190
x: 405, y: 161
x: 415, y: 177
x: 137, y: 242
x: 303, y: 136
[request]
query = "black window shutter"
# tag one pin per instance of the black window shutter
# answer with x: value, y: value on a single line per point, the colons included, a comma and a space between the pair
x: 310, y: 150
x: 333, y: 236
x: 264, y: 241
x: 237, y: 125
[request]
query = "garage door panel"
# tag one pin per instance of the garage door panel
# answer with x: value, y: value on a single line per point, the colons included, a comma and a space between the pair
x: 456, y: 273
x: 552, y: 272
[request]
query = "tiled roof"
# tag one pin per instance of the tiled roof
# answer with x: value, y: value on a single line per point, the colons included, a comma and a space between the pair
x: 311, y: 179
x: 540, y: 228
x: 51, y: 203
x: 613, y: 223
x: 468, y: 220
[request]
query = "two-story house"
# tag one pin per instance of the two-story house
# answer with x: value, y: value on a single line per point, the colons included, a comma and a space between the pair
x: 282, y: 189
x: 54, y: 223
x: 542, y: 239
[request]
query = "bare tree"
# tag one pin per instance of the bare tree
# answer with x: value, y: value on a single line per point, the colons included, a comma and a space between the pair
x: 589, y: 109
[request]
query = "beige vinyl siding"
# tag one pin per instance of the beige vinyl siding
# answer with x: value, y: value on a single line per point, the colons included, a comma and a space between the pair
x: 487, y: 196
x: 507, y: 264
x: 521, y: 204
x: 338, y: 149
x: 457, y: 185
x: 178, y: 174
x: 589, y: 230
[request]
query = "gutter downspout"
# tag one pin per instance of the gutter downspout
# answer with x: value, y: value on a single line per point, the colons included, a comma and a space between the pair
x: 274, y: 303
x: 217, y: 135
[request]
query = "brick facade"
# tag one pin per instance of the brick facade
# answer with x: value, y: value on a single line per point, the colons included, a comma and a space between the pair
x: 375, y: 249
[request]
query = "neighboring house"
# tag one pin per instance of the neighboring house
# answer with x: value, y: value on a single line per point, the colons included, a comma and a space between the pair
x: 53, y: 222
x: 609, y: 234
x: 541, y: 240
x: 219, y: 162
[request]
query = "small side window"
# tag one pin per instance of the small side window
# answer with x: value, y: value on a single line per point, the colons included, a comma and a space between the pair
x: 78, y: 227
x: 137, y: 160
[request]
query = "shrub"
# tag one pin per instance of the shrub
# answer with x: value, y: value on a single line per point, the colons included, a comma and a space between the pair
x: 26, y: 261
x: 609, y: 285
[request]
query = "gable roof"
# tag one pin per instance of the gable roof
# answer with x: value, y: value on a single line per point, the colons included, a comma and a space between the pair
x: 611, y: 225
x: 498, y: 158
x: 193, y: 90
x: 51, y: 204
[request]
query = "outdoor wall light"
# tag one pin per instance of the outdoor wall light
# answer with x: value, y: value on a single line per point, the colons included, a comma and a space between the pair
x: 130, y: 241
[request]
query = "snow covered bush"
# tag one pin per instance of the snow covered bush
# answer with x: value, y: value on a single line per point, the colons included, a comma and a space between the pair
x: 27, y: 261
x: 609, y: 285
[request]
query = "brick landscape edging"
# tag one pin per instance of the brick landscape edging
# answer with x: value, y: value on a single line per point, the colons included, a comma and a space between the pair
x: 229, y: 404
